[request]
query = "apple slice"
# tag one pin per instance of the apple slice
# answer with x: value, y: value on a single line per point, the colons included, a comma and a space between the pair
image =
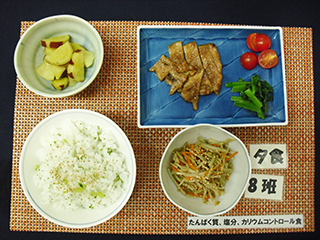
x: 88, y: 55
x: 88, y: 58
x: 72, y: 82
x: 58, y: 71
x: 55, y: 42
x: 61, y: 55
x: 76, y: 66
x: 70, y: 68
x: 48, y: 51
x: 45, y: 71
x: 77, y: 46
x: 61, y: 83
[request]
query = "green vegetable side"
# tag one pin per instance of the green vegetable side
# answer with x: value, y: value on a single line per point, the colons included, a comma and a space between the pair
x: 254, y: 94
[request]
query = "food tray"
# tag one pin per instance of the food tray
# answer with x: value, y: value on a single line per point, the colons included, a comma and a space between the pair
x: 114, y: 94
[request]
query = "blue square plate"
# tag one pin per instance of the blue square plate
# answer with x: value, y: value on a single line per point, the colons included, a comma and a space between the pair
x: 156, y: 108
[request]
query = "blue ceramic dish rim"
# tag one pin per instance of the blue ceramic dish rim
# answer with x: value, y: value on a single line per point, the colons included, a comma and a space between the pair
x: 258, y: 28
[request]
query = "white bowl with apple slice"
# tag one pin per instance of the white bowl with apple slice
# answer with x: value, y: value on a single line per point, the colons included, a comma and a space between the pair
x: 59, y: 56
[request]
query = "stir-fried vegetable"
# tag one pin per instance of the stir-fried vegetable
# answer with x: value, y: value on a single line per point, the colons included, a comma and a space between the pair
x: 254, y: 94
x: 202, y: 169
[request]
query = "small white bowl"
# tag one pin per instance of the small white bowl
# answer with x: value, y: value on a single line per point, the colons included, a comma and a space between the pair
x: 235, y: 187
x: 29, y: 52
x: 79, y: 218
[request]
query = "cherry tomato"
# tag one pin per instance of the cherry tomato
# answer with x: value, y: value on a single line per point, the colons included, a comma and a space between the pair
x: 251, y: 42
x: 262, y: 42
x: 268, y: 58
x: 258, y: 42
x: 249, y: 60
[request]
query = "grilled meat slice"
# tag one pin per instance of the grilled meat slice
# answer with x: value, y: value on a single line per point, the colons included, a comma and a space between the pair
x: 193, y: 58
x: 192, y: 54
x: 191, y: 89
x: 212, y: 65
x: 161, y: 68
x: 216, y: 56
x: 175, y: 78
x: 176, y: 55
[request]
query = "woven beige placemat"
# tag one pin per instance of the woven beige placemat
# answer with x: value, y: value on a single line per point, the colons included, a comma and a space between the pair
x: 114, y: 94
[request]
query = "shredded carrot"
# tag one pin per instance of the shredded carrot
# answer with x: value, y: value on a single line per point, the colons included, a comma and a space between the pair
x: 174, y: 169
x: 189, y: 162
x: 216, y: 167
x: 202, y: 151
x: 188, y: 178
x: 192, y: 194
x: 191, y: 147
x: 185, y: 152
x: 231, y: 156
x: 216, y: 145
x: 182, y: 164
x: 206, y: 173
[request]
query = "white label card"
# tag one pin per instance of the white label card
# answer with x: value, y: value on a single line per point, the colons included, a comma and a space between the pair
x: 245, y: 222
x: 268, y: 156
x: 265, y: 187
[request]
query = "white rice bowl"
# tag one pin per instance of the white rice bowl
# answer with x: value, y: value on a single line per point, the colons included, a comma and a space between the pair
x: 77, y: 168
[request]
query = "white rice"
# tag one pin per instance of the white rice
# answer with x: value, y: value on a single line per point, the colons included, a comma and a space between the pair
x: 80, y: 167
